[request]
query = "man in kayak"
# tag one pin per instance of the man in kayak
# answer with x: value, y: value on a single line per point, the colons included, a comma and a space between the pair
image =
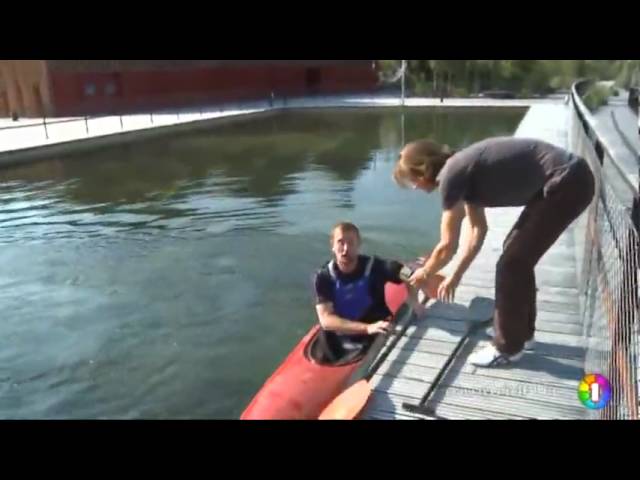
x: 350, y: 296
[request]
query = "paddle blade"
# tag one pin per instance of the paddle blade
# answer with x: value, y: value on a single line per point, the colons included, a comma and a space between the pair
x: 395, y: 295
x: 349, y: 403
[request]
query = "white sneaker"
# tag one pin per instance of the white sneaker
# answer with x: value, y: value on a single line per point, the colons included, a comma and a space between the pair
x: 528, y: 345
x: 489, y: 356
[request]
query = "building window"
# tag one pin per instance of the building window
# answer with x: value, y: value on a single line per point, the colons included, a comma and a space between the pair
x: 110, y: 89
x: 89, y: 89
x: 312, y: 77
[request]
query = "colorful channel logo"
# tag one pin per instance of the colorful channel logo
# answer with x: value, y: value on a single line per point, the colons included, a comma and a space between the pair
x: 594, y: 391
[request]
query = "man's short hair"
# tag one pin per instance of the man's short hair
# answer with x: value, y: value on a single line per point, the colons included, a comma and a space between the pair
x: 344, y: 227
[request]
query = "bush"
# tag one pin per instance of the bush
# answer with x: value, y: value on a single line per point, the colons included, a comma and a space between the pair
x: 596, y: 97
x: 460, y: 92
x: 526, y: 93
x: 422, y: 88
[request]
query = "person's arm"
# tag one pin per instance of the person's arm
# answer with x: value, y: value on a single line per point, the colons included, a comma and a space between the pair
x: 477, y: 233
x: 446, y: 248
x: 330, y: 321
x: 393, y: 271
x: 398, y: 273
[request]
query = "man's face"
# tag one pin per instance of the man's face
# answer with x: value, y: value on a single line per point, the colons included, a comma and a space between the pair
x: 425, y: 184
x: 346, y: 247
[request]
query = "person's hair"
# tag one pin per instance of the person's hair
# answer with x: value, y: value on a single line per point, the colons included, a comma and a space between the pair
x: 422, y: 158
x: 344, y: 227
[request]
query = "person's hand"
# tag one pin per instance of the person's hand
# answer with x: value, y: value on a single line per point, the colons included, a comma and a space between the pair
x: 414, y: 301
x: 447, y: 289
x: 382, y: 326
x: 418, y: 278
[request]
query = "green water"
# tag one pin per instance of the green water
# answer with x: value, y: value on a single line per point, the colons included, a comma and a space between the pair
x: 168, y: 279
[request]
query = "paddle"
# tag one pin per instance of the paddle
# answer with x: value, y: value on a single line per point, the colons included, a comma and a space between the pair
x: 349, y: 403
x: 473, y: 325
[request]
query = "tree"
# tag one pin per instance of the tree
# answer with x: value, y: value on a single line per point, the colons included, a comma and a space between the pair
x: 529, y: 76
x: 435, y: 66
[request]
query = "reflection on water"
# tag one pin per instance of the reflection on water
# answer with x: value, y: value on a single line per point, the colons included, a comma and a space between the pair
x: 169, y: 278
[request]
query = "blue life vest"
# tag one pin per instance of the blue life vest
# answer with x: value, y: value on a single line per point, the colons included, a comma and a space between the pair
x: 352, y: 299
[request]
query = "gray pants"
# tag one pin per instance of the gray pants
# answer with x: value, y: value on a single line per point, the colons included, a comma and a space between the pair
x: 542, y: 221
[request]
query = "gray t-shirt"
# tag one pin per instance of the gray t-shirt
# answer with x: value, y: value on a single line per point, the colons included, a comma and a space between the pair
x: 501, y: 172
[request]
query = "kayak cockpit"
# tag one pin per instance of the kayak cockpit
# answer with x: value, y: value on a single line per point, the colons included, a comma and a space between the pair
x: 320, y: 352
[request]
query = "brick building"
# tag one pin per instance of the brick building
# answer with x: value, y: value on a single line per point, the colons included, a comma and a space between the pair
x: 33, y: 88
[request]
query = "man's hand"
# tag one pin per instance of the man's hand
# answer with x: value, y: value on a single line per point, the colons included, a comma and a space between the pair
x: 447, y: 289
x: 382, y: 326
x: 413, y: 300
x: 418, y: 278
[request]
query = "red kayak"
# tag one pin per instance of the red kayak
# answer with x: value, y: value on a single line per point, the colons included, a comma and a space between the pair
x: 301, y: 388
